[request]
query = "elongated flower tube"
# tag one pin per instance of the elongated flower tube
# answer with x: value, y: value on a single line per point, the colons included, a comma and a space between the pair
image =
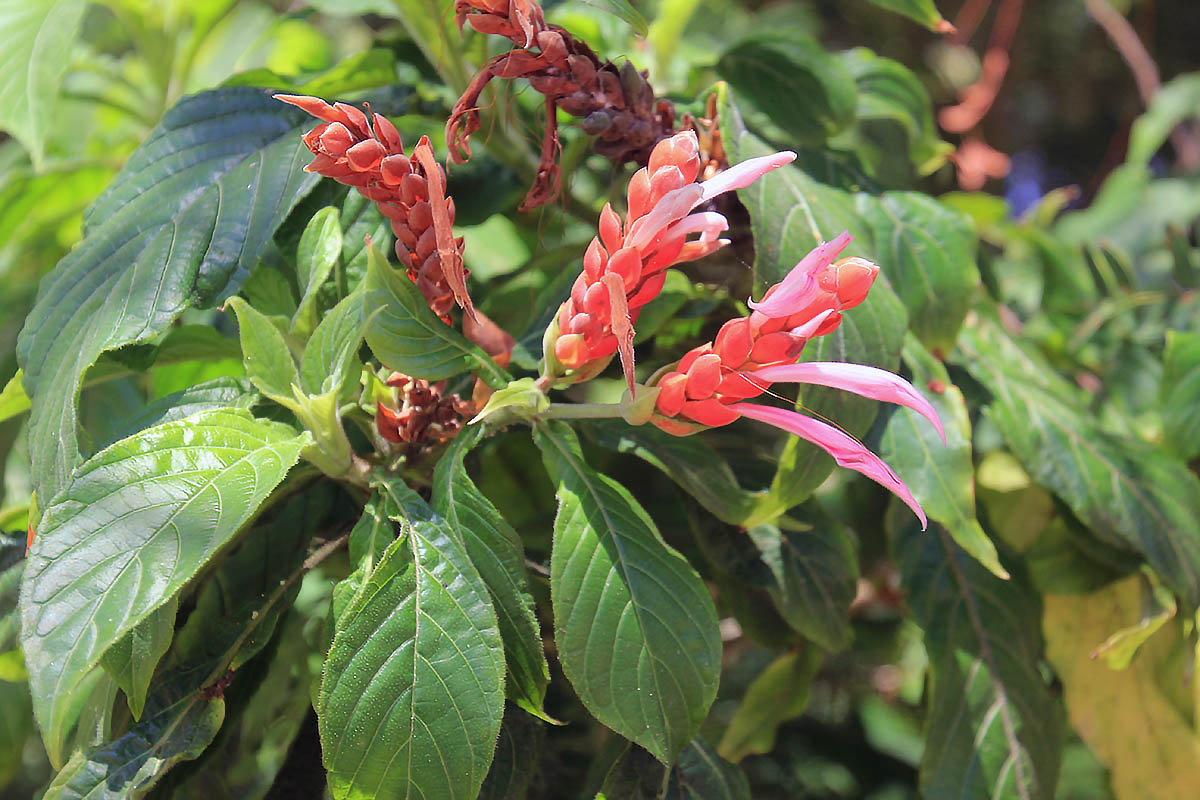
x: 710, y: 384
x: 624, y: 267
x: 368, y: 154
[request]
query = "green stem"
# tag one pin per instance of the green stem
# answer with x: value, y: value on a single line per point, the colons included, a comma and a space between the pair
x: 581, y: 411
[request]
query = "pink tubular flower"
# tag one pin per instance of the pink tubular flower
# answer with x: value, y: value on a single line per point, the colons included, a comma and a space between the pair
x: 709, y: 385
x: 625, y: 266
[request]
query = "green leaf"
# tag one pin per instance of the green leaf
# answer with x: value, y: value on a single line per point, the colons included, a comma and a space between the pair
x: 887, y: 90
x: 790, y: 78
x: 318, y: 254
x: 635, y: 627
x: 407, y: 337
x: 1129, y: 494
x: 16, y: 723
x: 13, y: 400
x: 518, y: 756
x: 12, y: 562
x: 497, y: 552
x: 625, y: 11
x: 1180, y: 387
x: 333, y: 346
x: 927, y: 252
x: 37, y: 34
x: 369, y: 69
x: 922, y: 12
x: 269, y: 363
x: 940, y: 475
x: 177, y: 228
x: 993, y: 729
x: 690, y: 462
x: 413, y: 691
x: 1178, y: 100
x: 814, y: 568
x: 701, y: 774
x: 111, y: 546
x: 206, y: 396
x: 780, y: 693
x: 132, y: 658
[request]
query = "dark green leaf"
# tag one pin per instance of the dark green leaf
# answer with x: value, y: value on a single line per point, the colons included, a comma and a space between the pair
x: 815, y: 570
x: 1129, y: 494
x: 1180, y: 391
x: 12, y: 562
x: 993, y: 730
x: 802, y: 88
x: 407, y: 337
x: 927, y: 252
x: 16, y: 723
x: 122, y: 539
x: 37, y: 33
x: 182, y: 225
x: 319, y: 251
x: 332, y: 348
x: 413, y: 691
x: 497, y: 552
x: 635, y: 626
x: 517, y: 758
x: 701, y: 774
x: 207, y: 396
x: 132, y: 658
x: 780, y: 693
x: 940, y: 475
x: 923, y: 12
x: 689, y: 461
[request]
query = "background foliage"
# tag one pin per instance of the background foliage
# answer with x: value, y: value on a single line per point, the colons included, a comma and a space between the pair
x: 1039, y: 640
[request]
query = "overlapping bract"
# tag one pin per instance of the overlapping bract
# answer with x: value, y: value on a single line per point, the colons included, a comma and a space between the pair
x: 617, y: 104
x: 625, y: 266
x: 368, y: 154
x: 711, y: 382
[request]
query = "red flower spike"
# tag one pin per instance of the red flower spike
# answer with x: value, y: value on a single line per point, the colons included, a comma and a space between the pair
x: 368, y: 154
x: 624, y: 267
x: 709, y: 384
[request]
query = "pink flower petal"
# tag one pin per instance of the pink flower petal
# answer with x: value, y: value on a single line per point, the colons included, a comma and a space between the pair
x: 799, y: 286
x: 673, y: 207
x: 809, y: 329
x: 846, y: 451
x: 707, y: 223
x: 739, y: 176
x: 878, y: 384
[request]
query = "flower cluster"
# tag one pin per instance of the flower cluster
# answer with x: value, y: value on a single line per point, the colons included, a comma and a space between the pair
x: 625, y: 266
x: 419, y: 412
x: 368, y: 154
x: 710, y: 384
x: 617, y: 104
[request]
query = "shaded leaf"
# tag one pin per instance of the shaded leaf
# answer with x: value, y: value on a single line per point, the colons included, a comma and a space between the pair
x: 407, y: 337
x: 992, y: 729
x: 206, y: 396
x: 517, y: 758
x: 126, y: 509
x: 177, y: 228
x: 12, y: 563
x: 940, y: 475
x: 497, y: 552
x: 625, y: 11
x: 1180, y: 391
x: 1175, y: 101
x: 132, y: 658
x: 780, y: 693
x: 635, y: 627
x: 413, y: 690
x: 701, y: 774
x: 923, y: 12
x: 1128, y: 493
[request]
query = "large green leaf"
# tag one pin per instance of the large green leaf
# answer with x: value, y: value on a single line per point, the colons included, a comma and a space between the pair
x: 206, y: 396
x: 698, y: 774
x: 497, y: 552
x: 928, y: 253
x: 331, y: 349
x: 407, y: 337
x: 413, y: 692
x: 131, y: 528
x: 37, y: 34
x: 689, y: 461
x: 182, y: 225
x: 635, y: 627
x: 235, y: 614
x: 132, y: 658
x: 803, y: 89
x: 1180, y: 389
x: 1130, y: 494
x: 941, y: 475
x: 992, y: 729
